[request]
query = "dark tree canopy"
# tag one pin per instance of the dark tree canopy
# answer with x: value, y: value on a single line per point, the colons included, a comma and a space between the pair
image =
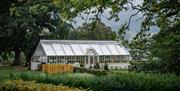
x: 91, y: 31
x: 23, y: 24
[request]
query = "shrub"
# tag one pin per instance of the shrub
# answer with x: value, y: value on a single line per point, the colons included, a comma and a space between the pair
x: 98, y: 72
x: 145, y: 66
x: 19, y: 85
x: 106, y: 67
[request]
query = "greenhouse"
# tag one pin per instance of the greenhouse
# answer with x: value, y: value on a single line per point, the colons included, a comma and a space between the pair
x: 86, y: 53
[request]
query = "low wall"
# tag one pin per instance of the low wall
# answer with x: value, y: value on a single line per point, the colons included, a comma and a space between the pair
x: 35, y: 65
x: 118, y: 65
x: 111, y: 65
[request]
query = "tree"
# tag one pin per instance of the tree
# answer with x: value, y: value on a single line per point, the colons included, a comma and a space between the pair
x: 140, y: 46
x: 4, y: 13
x: 166, y: 48
x: 89, y: 32
x: 24, y: 25
x: 164, y: 45
x: 53, y: 27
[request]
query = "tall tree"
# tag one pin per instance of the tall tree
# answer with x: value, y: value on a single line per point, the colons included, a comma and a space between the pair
x: 25, y: 21
x: 164, y: 45
x: 100, y: 32
x: 52, y: 27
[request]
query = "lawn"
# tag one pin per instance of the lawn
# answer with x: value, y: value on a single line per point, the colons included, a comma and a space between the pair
x: 113, y: 81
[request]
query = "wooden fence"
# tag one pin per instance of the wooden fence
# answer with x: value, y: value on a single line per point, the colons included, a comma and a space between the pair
x: 57, y: 68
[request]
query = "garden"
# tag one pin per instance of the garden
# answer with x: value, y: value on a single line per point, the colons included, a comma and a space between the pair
x: 17, y: 79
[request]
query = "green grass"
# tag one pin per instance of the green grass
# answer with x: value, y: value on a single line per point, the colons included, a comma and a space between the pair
x: 113, y: 81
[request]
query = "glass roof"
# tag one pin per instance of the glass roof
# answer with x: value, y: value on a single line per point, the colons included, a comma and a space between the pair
x: 79, y: 48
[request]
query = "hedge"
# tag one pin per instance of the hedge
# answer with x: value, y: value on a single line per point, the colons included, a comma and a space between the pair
x: 98, y: 72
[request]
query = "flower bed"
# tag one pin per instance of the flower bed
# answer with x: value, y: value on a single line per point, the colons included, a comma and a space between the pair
x: 20, y: 85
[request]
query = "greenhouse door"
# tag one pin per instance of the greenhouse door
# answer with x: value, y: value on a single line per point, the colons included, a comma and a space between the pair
x: 91, y: 61
x: 92, y: 58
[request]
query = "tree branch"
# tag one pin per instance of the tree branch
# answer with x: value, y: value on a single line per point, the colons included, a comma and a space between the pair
x: 129, y: 21
x: 140, y: 17
x: 96, y: 18
x: 134, y: 7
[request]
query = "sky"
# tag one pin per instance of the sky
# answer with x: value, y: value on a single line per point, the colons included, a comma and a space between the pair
x: 135, y: 23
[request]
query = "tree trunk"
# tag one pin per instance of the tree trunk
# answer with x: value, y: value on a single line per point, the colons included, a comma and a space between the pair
x: 17, y: 56
x: 28, y: 60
